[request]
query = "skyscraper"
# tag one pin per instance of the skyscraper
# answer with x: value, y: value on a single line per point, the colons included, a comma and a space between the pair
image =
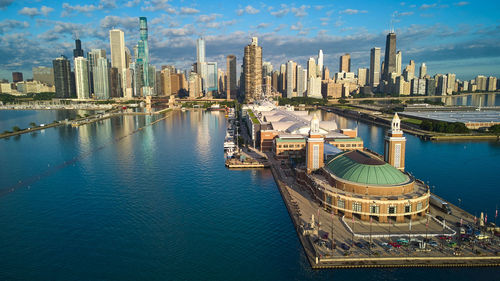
x: 17, y: 77
x: 362, y: 76
x: 374, y: 67
x: 142, y: 62
x: 423, y: 70
x: 43, y: 74
x: 77, y: 51
x: 289, y: 79
x: 82, y: 78
x: 231, y: 77
x: 301, y: 86
x: 62, y: 77
x: 117, y: 46
x: 311, y: 68
x: 200, y: 50
x: 390, y: 56
x: 92, y: 57
x: 345, y: 63
x: 252, y: 69
x: 399, y: 62
x: 320, y: 64
x: 101, y: 77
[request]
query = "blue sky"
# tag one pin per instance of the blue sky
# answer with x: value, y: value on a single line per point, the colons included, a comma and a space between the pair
x: 461, y: 37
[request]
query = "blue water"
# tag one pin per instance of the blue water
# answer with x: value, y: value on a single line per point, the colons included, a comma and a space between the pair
x: 23, y: 118
x: 107, y: 202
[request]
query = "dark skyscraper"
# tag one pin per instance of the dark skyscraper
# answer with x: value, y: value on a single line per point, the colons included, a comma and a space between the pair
x: 62, y: 77
x: 17, y: 77
x: 231, y: 77
x: 390, y: 56
x: 78, y: 52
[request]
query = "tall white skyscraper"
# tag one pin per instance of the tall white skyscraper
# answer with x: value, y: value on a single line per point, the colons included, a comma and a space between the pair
x: 301, y: 86
x: 289, y: 79
x: 311, y: 68
x: 200, y: 50
x: 423, y: 70
x: 399, y: 62
x: 101, y: 77
x: 320, y: 64
x: 117, y: 46
x: 375, y: 67
x: 82, y: 78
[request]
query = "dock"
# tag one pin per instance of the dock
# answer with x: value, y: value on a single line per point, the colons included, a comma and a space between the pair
x: 301, y: 205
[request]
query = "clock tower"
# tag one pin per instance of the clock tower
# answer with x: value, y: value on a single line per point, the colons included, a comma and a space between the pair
x: 395, y: 145
x: 315, y: 147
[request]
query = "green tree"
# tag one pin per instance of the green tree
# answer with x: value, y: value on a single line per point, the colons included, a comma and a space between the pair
x: 33, y: 124
x: 16, y: 129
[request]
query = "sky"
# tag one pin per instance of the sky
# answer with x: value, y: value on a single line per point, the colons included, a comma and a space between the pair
x: 461, y: 37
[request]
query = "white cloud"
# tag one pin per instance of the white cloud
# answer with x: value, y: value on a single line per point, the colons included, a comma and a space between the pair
x: 283, y: 11
x: 132, y: 3
x: 151, y: 5
x: 248, y: 10
x: 427, y: 6
x: 297, y: 26
x: 33, y: 12
x: 301, y: 11
x: 7, y: 25
x: 208, y: 18
x: 462, y: 3
x: 189, y: 11
x: 262, y: 25
x: 352, y: 11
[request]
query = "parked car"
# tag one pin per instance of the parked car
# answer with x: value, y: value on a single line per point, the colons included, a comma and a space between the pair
x: 344, y: 246
x: 433, y: 243
x: 439, y: 218
x: 359, y: 245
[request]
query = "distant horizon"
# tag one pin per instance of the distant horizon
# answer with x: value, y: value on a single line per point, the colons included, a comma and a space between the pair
x: 448, y: 36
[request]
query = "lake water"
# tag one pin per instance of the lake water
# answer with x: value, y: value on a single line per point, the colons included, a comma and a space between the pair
x: 109, y: 202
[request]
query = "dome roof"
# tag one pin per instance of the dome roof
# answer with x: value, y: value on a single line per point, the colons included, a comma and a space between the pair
x: 359, y: 167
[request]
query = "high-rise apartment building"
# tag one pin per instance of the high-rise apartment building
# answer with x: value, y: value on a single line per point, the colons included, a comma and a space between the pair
x: 231, y: 77
x: 77, y: 51
x: 423, y: 71
x: 362, y: 77
x: 289, y: 79
x: 267, y: 69
x: 491, y: 84
x: 374, y: 67
x: 200, y: 50
x: 345, y: 63
x: 92, y: 57
x: 399, y: 62
x: 117, y: 46
x: 43, y: 74
x: 301, y: 85
x: 390, y: 56
x: 142, y: 61
x: 62, y: 77
x: 311, y: 68
x: 102, y: 86
x: 82, y: 78
x: 17, y: 77
x: 451, y: 83
x: 252, y: 69
x: 481, y: 82
x: 320, y: 64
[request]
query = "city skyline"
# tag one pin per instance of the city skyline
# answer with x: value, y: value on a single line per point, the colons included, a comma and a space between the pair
x: 286, y: 32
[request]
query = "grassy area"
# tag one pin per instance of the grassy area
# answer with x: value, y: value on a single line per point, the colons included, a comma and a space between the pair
x: 412, y: 121
x: 252, y: 116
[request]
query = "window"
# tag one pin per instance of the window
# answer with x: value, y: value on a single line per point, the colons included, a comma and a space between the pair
x: 374, y: 209
x: 341, y: 204
x: 356, y: 207
x: 407, y: 208
x: 391, y: 210
x: 397, y: 155
x: 419, y: 206
x: 315, y: 156
x: 329, y: 199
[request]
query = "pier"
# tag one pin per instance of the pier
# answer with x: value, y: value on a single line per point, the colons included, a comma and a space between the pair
x: 331, y: 241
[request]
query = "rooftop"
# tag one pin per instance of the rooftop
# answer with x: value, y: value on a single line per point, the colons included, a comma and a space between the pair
x: 364, y: 168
